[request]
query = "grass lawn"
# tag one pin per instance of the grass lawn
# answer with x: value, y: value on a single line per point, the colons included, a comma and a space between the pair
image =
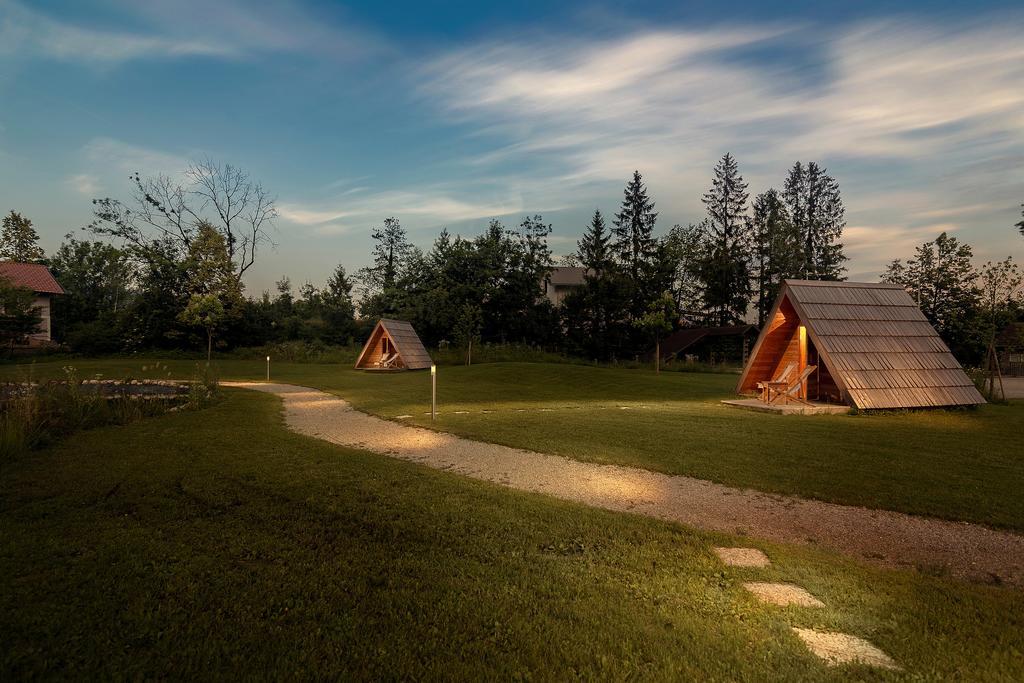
x: 959, y: 464
x: 217, y: 543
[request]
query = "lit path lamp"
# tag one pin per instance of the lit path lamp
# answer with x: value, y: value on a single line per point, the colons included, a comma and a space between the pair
x: 803, y: 359
x: 268, y: 368
x: 433, y: 392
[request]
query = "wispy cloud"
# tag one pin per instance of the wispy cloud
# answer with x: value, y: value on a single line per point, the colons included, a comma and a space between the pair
x: 85, y: 184
x: 227, y: 29
x: 417, y: 207
x: 25, y: 32
x: 107, y: 155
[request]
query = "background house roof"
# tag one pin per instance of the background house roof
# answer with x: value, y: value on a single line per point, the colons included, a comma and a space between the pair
x: 34, y: 276
x: 879, y: 346
x: 567, y: 275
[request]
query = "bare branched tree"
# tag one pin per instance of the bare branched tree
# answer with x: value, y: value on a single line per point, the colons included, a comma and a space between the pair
x: 163, y: 214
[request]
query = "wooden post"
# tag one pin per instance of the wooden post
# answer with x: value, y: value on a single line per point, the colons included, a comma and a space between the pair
x: 803, y: 360
x: 994, y: 372
x: 433, y: 392
x: 657, y: 356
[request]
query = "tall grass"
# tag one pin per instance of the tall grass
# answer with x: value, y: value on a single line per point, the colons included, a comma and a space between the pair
x: 34, y: 416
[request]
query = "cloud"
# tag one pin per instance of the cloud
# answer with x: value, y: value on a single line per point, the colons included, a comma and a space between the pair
x: 933, y: 110
x: 227, y: 29
x: 108, y: 155
x: 280, y: 26
x: 418, y: 207
x: 85, y: 184
x: 28, y: 33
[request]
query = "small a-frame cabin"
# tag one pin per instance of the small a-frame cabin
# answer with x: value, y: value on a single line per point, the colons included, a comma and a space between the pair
x: 393, y: 345
x: 869, y: 343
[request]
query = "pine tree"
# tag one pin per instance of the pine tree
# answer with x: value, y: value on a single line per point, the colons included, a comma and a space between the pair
x: 633, y: 238
x: 593, y: 251
x: 592, y: 315
x: 392, y: 245
x: 726, y: 270
x: 776, y: 249
x: 19, y: 241
x: 816, y: 210
x: 338, y: 309
x: 634, y: 245
x: 1020, y: 226
x: 390, y: 253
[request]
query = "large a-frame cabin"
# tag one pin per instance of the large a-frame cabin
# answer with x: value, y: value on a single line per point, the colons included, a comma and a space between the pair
x: 869, y: 342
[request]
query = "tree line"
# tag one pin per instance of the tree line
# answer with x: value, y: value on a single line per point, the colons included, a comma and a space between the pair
x: 163, y: 269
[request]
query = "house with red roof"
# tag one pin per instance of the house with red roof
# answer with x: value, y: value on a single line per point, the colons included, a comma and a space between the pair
x: 40, y: 280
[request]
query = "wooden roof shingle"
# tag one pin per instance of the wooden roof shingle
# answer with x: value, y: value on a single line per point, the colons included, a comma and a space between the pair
x: 879, y: 348
x: 407, y: 343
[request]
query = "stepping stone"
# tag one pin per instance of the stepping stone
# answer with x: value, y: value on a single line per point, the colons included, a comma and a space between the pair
x: 841, y: 648
x: 742, y: 557
x: 782, y: 594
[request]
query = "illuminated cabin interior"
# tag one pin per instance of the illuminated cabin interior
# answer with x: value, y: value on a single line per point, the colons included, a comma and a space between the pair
x: 869, y: 342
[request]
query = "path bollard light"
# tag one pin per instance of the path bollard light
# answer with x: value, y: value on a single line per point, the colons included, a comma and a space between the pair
x: 268, y: 368
x: 433, y: 392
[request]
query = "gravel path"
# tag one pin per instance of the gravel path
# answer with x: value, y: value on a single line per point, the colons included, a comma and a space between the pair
x: 878, y: 536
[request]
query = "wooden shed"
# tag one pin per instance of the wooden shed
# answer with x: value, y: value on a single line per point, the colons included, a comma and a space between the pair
x: 393, y: 345
x: 869, y: 342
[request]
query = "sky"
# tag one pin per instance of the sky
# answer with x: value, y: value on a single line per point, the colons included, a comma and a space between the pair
x: 450, y: 114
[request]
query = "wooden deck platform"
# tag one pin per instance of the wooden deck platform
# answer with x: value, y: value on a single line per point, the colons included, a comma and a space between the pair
x: 787, y: 408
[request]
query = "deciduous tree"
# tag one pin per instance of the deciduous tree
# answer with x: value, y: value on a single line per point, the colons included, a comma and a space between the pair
x: 942, y: 280
x: 99, y: 283
x: 215, y: 295
x: 19, y: 240
x: 19, y: 316
x: 164, y: 214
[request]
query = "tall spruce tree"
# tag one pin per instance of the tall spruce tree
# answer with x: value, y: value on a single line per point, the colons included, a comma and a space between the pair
x: 594, y: 249
x: 816, y: 210
x: 776, y: 252
x: 726, y: 270
x: 592, y: 315
x: 19, y: 240
x: 634, y: 245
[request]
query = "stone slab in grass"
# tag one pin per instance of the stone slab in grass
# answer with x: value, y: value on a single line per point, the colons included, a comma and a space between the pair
x: 841, y: 648
x: 742, y: 557
x: 782, y: 594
